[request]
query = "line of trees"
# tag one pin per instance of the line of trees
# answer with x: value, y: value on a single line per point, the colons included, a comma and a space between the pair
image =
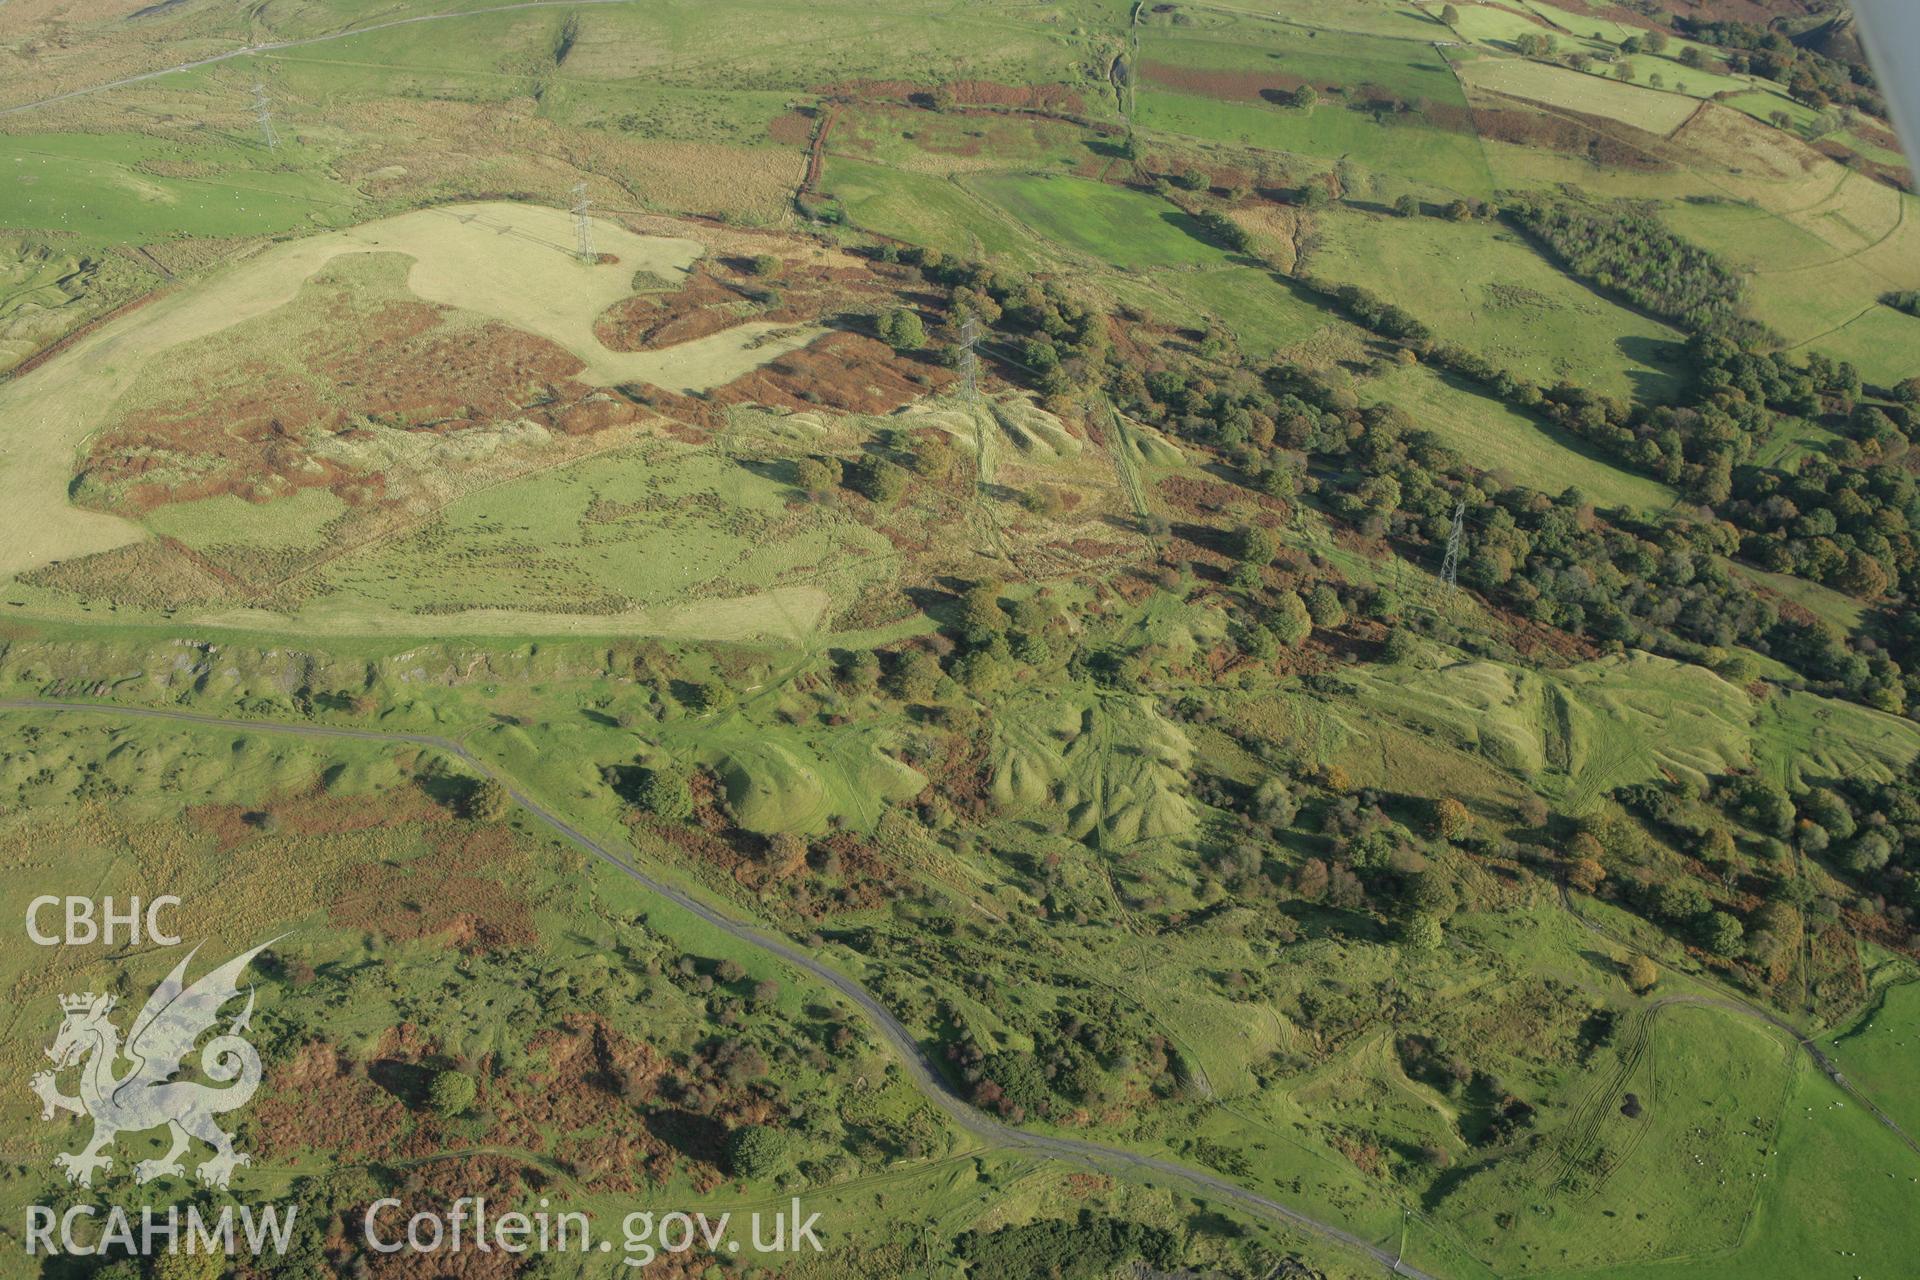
x: 1624, y: 248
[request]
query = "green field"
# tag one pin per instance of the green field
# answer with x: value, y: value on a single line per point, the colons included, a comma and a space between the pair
x: 1489, y: 291
x: 1877, y: 1052
x: 1679, y: 1179
x: 1116, y: 226
x: 1527, y: 449
x: 1839, y: 1184
x: 1353, y: 60
x: 1214, y: 86
x: 1646, y: 109
x: 1820, y: 265
x: 922, y: 208
x: 130, y: 188
x: 1259, y: 310
x: 1443, y: 160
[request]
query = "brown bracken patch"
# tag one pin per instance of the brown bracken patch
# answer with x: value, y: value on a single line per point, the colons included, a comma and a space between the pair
x: 449, y: 892
x: 794, y: 129
x: 843, y: 371
x: 321, y: 1101
x: 397, y: 363
x: 316, y: 812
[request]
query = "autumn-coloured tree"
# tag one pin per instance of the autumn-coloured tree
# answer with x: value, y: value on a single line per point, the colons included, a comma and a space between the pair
x: 1585, y: 874
x: 1451, y: 819
x: 1641, y: 975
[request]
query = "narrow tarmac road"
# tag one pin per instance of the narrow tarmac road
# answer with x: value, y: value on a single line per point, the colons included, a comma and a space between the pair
x: 920, y: 1068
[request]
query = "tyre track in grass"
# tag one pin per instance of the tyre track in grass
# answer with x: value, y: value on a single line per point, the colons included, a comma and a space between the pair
x: 1734, y: 1003
x: 919, y: 1065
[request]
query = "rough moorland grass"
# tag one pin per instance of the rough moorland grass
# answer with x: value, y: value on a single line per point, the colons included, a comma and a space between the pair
x: 1837, y: 608
x: 291, y: 523
x: 1530, y: 450
x: 922, y: 141
x: 656, y: 527
x: 1359, y: 17
x: 1115, y: 225
x: 1577, y: 18
x: 1484, y: 287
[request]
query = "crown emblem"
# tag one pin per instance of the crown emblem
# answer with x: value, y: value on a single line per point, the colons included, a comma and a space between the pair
x: 78, y: 1004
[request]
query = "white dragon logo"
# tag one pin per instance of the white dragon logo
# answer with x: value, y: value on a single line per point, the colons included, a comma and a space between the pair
x: 145, y: 1096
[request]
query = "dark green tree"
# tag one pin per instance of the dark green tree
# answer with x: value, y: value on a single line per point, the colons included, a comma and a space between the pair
x: 1289, y: 621
x: 755, y: 1151
x: 452, y: 1093
x: 666, y: 791
x: 488, y: 801
x: 881, y: 480
x: 902, y: 330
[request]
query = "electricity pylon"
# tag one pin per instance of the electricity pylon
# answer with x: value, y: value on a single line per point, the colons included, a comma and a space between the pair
x: 263, y: 112
x: 1450, y: 570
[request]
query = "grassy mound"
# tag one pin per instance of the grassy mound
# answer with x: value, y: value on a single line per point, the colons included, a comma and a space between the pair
x: 1035, y: 433
x: 1580, y: 732
x: 1111, y: 764
x: 790, y: 786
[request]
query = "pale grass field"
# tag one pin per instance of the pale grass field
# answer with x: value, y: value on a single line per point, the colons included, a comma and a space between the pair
x: 506, y: 262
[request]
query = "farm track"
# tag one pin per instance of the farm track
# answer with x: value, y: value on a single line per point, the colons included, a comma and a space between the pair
x: 1581, y: 1135
x: 1121, y: 450
x: 920, y: 1068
